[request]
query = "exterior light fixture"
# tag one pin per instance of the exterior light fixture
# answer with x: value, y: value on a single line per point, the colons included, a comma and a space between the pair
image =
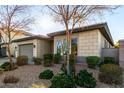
x: 34, y: 46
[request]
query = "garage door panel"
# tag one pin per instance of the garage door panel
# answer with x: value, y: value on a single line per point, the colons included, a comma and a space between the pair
x: 26, y: 50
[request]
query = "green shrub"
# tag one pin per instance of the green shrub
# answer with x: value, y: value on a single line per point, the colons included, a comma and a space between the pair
x: 85, y: 79
x: 48, y: 56
x: 110, y: 74
x: 6, y: 66
x: 109, y: 60
x: 57, y: 58
x: 10, y: 79
x: 22, y: 60
x: 47, y: 74
x: 48, y: 60
x: 62, y: 81
x: 37, y: 61
x: 92, y: 61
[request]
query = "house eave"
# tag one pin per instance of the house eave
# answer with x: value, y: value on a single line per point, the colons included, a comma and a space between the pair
x: 31, y: 38
x: 103, y: 27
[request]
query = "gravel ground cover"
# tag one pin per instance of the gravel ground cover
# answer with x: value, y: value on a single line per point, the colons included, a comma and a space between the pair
x: 28, y: 76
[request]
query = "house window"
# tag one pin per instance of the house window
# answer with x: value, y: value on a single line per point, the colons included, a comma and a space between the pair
x: 64, y: 48
x: 59, y: 46
x: 74, y: 46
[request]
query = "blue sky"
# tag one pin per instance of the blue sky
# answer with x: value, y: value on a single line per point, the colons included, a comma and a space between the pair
x: 45, y: 24
x: 116, y: 24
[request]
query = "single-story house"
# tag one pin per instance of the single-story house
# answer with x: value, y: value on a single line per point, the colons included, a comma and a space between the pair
x: 86, y: 41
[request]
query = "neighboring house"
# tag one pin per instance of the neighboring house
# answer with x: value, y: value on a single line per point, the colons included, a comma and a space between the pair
x: 4, y: 39
x: 86, y: 41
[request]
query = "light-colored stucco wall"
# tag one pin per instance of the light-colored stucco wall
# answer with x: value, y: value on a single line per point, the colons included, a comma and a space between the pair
x: 42, y: 47
x: 89, y: 43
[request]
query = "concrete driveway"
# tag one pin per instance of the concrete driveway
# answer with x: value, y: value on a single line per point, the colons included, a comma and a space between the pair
x: 3, y: 60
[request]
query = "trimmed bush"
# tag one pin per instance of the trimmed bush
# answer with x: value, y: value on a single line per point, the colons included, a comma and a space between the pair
x: 37, y: 61
x: 10, y: 79
x: 110, y: 74
x: 6, y: 66
x: 57, y: 58
x: 48, y: 56
x: 109, y: 60
x: 47, y: 74
x: 48, y: 60
x: 22, y: 60
x: 85, y: 79
x: 92, y: 61
x: 62, y: 81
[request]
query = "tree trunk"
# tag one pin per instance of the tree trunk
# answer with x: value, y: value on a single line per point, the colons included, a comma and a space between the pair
x: 74, y: 65
x: 68, y: 49
x: 68, y: 56
x: 9, y: 55
x: 68, y: 65
x: 0, y: 51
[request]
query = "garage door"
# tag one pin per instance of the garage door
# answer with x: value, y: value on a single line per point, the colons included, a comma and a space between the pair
x: 27, y: 50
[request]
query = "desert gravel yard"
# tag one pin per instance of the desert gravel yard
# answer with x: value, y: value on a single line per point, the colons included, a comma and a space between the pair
x: 28, y: 76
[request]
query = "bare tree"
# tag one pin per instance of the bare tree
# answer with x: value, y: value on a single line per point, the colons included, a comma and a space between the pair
x: 72, y: 15
x: 13, y: 18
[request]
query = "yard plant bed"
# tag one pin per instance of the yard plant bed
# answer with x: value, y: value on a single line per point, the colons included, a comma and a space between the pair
x: 28, y: 76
